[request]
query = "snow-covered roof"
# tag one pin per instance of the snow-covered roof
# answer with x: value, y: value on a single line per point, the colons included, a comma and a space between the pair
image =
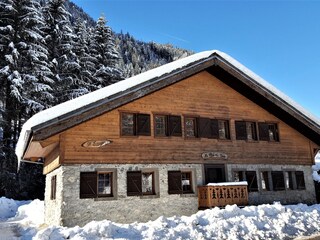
x: 56, y: 113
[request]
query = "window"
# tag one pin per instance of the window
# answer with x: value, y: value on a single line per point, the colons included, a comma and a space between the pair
x: 289, y: 180
x: 249, y: 176
x: 268, y: 132
x: 179, y: 182
x: 167, y: 125
x: 97, y: 184
x: 105, y: 184
x: 246, y: 131
x: 211, y: 128
x: 53, y: 187
x: 265, y: 184
x: 224, y: 132
x: 140, y: 183
x: 134, y: 124
x: 160, y: 128
x: 190, y: 127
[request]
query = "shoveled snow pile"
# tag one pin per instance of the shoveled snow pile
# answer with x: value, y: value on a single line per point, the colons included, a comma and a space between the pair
x: 255, y: 222
x: 8, y: 207
x: 31, y: 214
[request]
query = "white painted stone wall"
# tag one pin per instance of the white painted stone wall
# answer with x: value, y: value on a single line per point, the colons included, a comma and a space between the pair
x: 123, y: 209
x: 52, y: 208
x: 286, y: 196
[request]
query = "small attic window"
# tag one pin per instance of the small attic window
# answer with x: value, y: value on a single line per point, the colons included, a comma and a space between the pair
x: 135, y: 124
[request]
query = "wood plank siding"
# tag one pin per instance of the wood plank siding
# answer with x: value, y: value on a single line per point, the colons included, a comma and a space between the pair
x: 199, y: 95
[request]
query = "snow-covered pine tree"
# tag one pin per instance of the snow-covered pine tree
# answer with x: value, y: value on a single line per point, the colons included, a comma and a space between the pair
x: 107, y: 57
x: 63, y: 61
x: 85, y: 59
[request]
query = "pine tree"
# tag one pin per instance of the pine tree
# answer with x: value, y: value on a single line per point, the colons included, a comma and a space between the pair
x: 60, y: 41
x: 107, y: 57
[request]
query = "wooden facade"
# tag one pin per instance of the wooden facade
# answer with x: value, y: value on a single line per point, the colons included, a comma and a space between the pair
x: 201, y: 95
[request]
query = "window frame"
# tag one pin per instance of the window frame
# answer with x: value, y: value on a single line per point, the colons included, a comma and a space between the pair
x: 265, y: 131
x: 195, y: 126
x: 226, y: 125
x: 243, y: 175
x: 166, y: 124
x: 99, y: 195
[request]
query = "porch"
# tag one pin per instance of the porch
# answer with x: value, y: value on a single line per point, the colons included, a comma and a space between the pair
x: 222, y: 194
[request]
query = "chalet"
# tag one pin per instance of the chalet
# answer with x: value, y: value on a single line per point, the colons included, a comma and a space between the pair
x: 141, y: 148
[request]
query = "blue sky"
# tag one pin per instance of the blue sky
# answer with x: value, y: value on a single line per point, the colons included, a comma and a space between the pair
x: 278, y: 40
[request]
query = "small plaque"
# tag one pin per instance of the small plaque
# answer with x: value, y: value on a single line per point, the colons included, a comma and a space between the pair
x: 96, y: 143
x: 214, y: 155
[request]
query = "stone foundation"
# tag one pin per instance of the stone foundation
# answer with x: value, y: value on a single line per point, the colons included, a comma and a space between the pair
x: 69, y: 210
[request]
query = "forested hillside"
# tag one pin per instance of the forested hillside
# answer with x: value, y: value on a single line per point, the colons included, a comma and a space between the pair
x: 52, y: 51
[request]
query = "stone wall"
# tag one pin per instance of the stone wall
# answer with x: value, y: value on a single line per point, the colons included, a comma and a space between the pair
x: 286, y: 196
x: 120, y: 208
x: 69, y: 210
x: 52, y: 208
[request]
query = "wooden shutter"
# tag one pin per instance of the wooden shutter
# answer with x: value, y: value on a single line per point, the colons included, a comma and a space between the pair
x: 134, y: 183
x: 214, y: 128
x: 204, y: 128
x: 241, y: 130
x: 300, y: 180
x: 174, y: 182
x: 143, y: 124
x: 88, y: 185
x: 263, y: 131
x: 53, y: 187
x: 175, y: 126
x: 251, y: 178
x: 277, y: 180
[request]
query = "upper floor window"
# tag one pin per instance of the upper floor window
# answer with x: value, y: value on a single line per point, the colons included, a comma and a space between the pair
x: 167, y: 125
x: 224, y: 132
x: 140, y: 183
x: 135, y: 124
x: 246, y: 130
x: 268, y: 132
x: 190, y: 127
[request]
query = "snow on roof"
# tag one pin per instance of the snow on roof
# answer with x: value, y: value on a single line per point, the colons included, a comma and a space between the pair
x: 241, y: 183
x: 77, y: 103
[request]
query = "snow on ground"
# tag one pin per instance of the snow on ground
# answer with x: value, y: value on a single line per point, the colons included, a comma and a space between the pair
x: 316, y: 168
x: 269, y: 221
x: 8, y: 207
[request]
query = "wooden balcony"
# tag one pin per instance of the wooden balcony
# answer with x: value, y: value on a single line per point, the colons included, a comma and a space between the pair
x: 222, y: 194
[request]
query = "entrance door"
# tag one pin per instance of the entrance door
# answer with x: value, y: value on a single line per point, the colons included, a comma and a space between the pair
x: 214, y: 173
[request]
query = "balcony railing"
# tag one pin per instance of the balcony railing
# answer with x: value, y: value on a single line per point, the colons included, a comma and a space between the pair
x: 222, y: 194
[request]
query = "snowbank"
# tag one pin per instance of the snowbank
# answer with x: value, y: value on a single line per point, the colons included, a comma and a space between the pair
x: 8, y: 207
x: 31, y: 214
x: 254, y: 222
x: 316, y: 168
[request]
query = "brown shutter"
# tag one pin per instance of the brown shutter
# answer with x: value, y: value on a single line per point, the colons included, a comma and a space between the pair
x: 88, y: 185
x: 263, y: 132
x: 204, y: 128
x: 300, y: 180
x: 251, y: 178
x: 277, y: 180
x: 175, y: 126
x: 134, y: 183
x: 53, y: 187
x: 214, y: 128
x: 241, y: 130
x: 174, y: 182
x: 143, y: 124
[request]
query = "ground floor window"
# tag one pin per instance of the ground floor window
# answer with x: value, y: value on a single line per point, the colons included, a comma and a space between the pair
x: 140, y: 183
x: 97, y: 184
x: 282, y: 180
x: 249, y: 176
x: 180, y: 182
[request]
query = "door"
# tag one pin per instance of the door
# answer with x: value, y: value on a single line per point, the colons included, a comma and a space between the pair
x: 214, y: 173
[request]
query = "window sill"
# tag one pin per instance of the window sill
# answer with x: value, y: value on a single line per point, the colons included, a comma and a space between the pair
x: 105, y: 199
x: 150, y: 196
x: 188, y: 195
